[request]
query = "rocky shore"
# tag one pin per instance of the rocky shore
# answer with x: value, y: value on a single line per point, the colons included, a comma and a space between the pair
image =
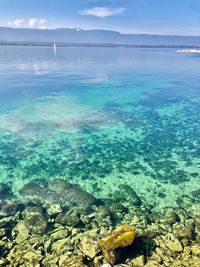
x: 55, y: 223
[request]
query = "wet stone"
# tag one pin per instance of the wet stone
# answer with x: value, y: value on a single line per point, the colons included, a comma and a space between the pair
x: 74, y: 261
x: 61, y: 246
x: 2, y: 232
x: 38, y: 189
x: 20, y: 232
x: 71, y: 194
x: 126, y: 194
x: 35, y: 220
x: 69, y: 219
x: 173, y: 243
x: 57, y: 191
x: 11, y: 208
x: 5, y: 191
x: 89, y: 245
x: 59, y: 234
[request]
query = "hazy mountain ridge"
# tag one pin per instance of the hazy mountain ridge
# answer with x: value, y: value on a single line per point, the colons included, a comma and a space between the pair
x: 65, y: 35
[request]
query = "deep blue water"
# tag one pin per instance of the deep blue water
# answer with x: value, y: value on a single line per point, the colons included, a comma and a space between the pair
x: 101, y: 117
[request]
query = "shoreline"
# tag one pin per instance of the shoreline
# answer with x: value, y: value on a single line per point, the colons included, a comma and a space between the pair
x: 100, y: 45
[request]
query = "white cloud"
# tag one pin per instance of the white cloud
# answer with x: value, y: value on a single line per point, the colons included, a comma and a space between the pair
x: 32, y: 23
x: 16, y: 23
x: 102, y: 12
x: 29, y: 23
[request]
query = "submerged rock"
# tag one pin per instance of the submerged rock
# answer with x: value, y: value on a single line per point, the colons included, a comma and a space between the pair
x: 139, y: 261
x: 126, y: 194
x: 53, y: 209
x: 21, y: 232
x: 173, y: 243
x: 123, y: 236
x: 57, y: 191
x: 38, y: 189
x: 59, y: 234
x: 33, y: 258
x: 10, y: 208
x: 69, y: 219
x: 61, y: 246
x: 35, y: 220
x: 70, y: 193
x: 5, y: 191
x: 89, y: 246
x: 74, y: 261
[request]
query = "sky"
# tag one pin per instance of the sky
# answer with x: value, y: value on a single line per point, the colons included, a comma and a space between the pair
x: 126, y: 16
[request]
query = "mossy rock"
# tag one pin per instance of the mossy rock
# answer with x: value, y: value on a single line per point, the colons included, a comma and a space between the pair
x: 57, y: 191
x: 126, y: 194
x: 35, y: 220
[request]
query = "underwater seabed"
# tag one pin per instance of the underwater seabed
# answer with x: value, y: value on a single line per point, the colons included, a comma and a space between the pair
x: 134, y: 168
x: 155, y: 150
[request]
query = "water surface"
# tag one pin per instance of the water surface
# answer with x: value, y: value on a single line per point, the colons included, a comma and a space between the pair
x: 102, y: 117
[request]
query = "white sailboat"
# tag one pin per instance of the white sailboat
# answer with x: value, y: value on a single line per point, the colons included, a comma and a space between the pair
x: 54, y: 48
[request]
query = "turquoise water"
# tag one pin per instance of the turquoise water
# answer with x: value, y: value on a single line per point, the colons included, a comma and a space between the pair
x: 102, y: 117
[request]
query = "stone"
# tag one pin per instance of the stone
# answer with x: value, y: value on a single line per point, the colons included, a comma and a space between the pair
x: 10, y: 208
x: 195, y: 250
x: 198, y: 239
x: 60, y: 234
x: 61, y: 246
x: 32, y: 257
x: 168, y: 215
x: 186, y: 253
x: 69, y: 219
x: 5, y: 191
x: 197, y: 222
x: 153, y: 264
x: 50, y: 261
x: 54, y: 209
x: 89, y: 246
x: 2, y: 232
x: 38, y: 189
x: 185, y: 263
x: 35, y: 220
x: 173, y: 243
x: 21, y: 232
x: 7, y: 222
x: 57, y: 191
x: 127, y: 194
x: 3, y: 262
x: 74, y: 261
x: 123, y: 236
x: 71, y: 194
x: 184, y: 232
x: 139, y: 261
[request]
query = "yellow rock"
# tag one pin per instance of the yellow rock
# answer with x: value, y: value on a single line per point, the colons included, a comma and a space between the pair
x: 123, y: 236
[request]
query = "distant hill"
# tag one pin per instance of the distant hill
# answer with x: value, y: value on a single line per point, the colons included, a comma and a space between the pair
x: 78, y: 36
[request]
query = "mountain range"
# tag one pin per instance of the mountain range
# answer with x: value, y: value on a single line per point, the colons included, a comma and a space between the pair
x: 80, y: 36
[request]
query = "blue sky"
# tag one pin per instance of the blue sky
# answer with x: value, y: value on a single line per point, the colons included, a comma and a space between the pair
x: 127, y: 16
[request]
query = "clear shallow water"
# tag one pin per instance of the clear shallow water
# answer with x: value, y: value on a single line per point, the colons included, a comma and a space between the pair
x: 102, y: 117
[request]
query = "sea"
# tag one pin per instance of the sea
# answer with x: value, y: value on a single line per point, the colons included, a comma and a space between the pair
x: 102, y: 117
